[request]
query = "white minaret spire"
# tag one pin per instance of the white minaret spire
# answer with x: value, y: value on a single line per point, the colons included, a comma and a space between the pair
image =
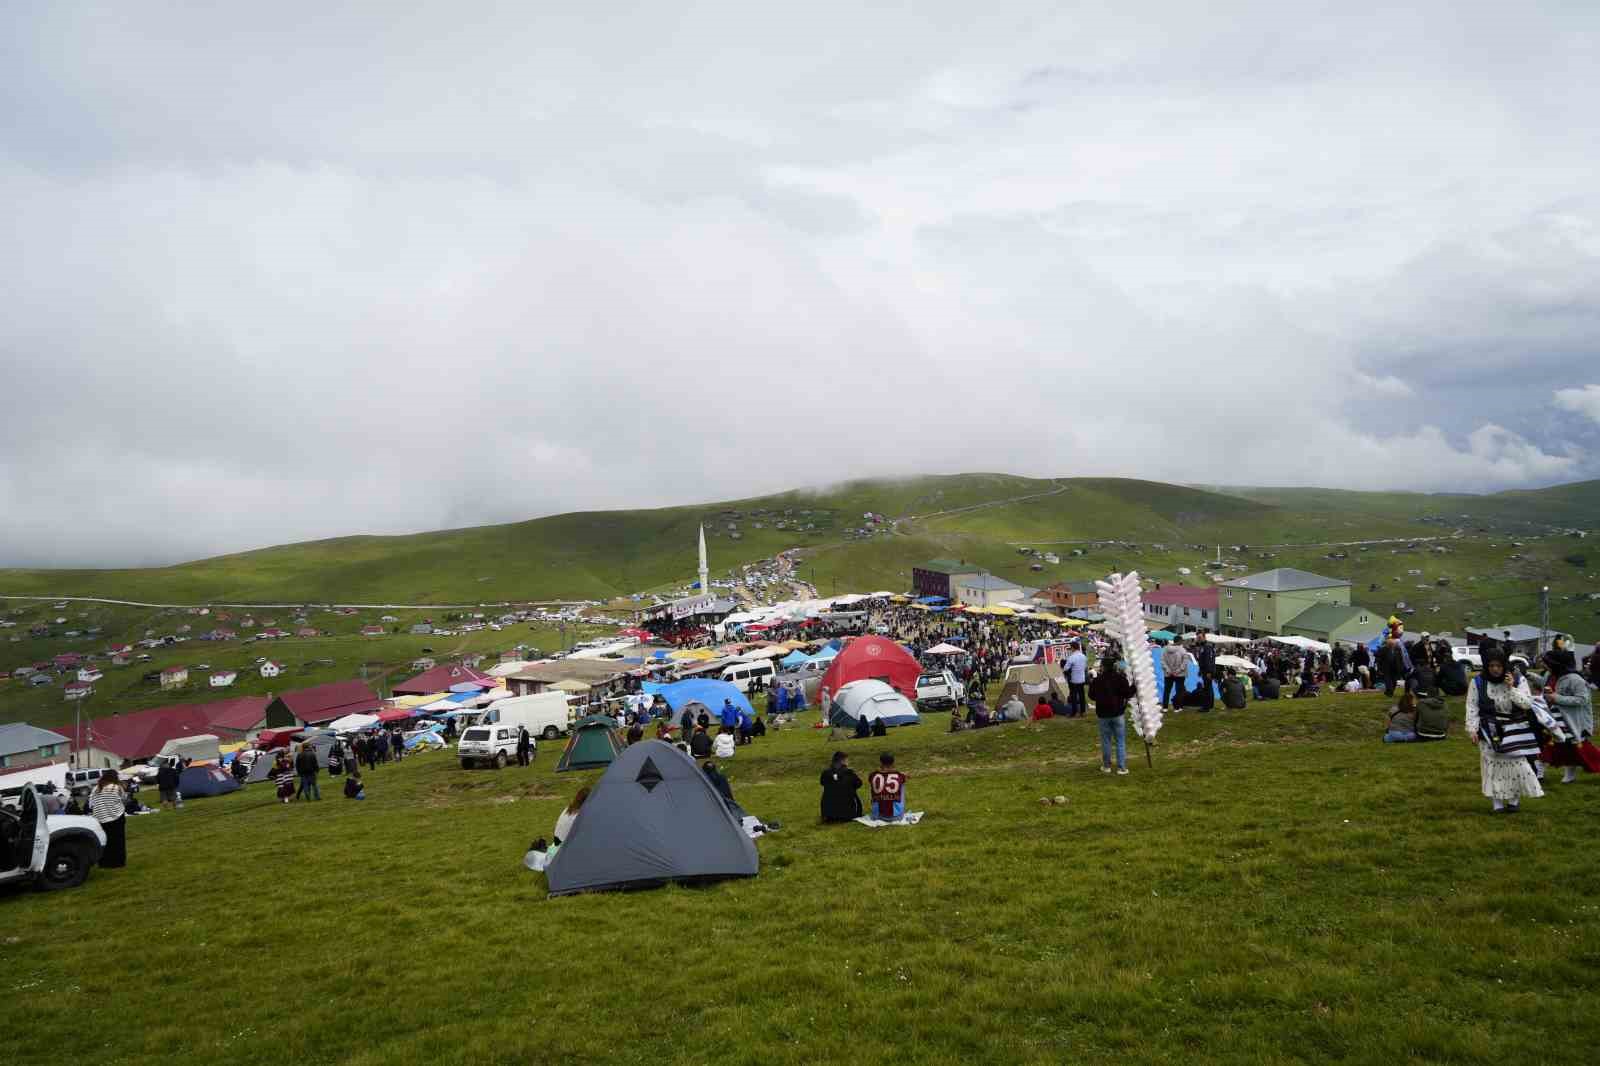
x: 705, y: 572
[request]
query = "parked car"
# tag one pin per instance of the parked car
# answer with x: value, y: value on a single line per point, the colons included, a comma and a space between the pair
x: 939, y: 690
x: 50, y: 851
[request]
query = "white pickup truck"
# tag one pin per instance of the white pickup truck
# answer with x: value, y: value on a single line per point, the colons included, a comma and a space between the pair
x: 938, y: 690
x: 51, y: 851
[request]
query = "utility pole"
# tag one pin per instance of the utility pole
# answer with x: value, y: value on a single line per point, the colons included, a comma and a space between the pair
x: 1544, y: 619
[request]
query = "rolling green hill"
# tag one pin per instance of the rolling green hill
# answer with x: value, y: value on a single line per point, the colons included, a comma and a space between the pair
x: 981, y: 517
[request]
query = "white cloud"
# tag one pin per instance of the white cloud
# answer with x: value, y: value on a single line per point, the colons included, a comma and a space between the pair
x: 1584, y: 401
x: 1387, y: 386
x: 275, y: 278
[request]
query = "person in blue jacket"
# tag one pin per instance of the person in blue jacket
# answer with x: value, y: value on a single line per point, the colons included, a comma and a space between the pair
x: 746, y: 727
x: 730, y: 715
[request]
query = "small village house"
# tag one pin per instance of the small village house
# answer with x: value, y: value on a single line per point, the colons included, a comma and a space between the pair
x: 23, y: 746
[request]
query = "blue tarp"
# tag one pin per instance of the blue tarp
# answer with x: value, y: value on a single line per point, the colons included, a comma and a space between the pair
x: 931, y: 599
x: 825, y: 654
x: 795, y: 658
x: 702, y: 690
x: 467, y: 686
x: 1191, y: 682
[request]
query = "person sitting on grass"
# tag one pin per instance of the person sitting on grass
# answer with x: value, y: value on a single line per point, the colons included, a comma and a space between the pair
x: 888, y: 790
x: 957, y: 723
x: 863, y: 728
x: 841, y: 786
x: 1011, y: 710
x: 353, y: 787
x: 1233, y: 691
x: 1402, y: 725
x: 1042, y: 710
x: 700, y: 742
x: 569, y: 816
x: 758, y: 728
x: 1308, y: 686
x: 878, y: 728
x: 723, y: 748
x: 719, y: 782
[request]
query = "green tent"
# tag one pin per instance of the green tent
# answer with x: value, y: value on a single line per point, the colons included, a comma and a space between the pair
x: 594, y: 742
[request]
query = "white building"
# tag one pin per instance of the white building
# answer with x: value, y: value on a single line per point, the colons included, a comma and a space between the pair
x: 271, y: 669
x: 224, y: 678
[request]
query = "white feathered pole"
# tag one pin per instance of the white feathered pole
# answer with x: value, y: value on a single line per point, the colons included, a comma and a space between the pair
x: 1123, y: 606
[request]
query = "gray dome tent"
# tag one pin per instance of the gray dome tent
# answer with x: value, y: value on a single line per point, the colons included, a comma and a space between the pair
x: 652, y: 818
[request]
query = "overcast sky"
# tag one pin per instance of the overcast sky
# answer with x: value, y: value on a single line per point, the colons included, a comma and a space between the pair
x: 294, y: 270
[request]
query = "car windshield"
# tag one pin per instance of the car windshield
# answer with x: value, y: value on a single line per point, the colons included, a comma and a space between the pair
x: 931, y: 679
x: 475, y: 734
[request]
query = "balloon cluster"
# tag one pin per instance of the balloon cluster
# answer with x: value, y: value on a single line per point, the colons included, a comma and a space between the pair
x: 1123, y: 606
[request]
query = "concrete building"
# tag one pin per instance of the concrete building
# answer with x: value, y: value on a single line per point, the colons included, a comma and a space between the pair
x: 984, y: 590
x: 1181, y: 608
x: 1331, y: 622
x: 937, y: 577
x: 24, y: 745
x: 1068, y: 596
x: 1262, y: 604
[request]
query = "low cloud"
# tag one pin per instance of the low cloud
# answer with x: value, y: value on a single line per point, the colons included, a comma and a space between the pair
x: 523, y: 265
x: 1584, y: 401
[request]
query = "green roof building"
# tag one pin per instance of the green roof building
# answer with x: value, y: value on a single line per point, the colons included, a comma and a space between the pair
x: 1264, y: 604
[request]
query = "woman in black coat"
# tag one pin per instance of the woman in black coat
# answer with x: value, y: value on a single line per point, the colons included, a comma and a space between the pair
x: 841, y: 801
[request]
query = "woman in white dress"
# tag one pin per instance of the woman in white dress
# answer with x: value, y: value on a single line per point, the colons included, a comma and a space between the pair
x: 1500, y: 724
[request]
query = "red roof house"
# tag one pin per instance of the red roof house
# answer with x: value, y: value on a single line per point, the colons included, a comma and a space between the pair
x: 440, y: 678
x: 321, y: 703
x: 131, y: 737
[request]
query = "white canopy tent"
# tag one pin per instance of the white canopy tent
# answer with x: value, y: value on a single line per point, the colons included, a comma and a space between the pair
x: 353, y: 723
x: 1218, y: 638
x: 944, y: 649
x: 1305, y: 643
x: 1238, y: 662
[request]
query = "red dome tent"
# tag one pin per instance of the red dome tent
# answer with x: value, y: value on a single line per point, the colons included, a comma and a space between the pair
x: 877, y: 658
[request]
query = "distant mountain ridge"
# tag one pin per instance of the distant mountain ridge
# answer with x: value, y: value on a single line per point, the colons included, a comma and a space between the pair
x: 603, y: 554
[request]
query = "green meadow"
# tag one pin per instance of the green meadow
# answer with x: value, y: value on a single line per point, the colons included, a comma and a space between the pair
x: 1279, y: 887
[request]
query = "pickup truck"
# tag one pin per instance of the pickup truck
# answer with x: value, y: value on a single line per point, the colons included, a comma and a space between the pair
x: 50, y: 851
x: 938, y: 690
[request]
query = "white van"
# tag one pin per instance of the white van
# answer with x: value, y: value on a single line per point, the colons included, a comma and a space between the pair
x: 739, y: 675
x: 492, y: 740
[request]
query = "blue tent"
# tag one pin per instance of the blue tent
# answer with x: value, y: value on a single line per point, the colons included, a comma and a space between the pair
x: 825, y: 654
x: 931, y: 599
x: 702, y: 690
x: 1163, y: 634
x: 795, y: 658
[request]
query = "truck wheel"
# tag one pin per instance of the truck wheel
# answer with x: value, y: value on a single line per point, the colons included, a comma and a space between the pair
x: 499, y: 760
x: 66, y: 866
x: 550, y: 732
x: 466, y: 764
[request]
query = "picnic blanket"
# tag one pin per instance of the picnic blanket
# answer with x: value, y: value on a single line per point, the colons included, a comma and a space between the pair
x: 909, y: 818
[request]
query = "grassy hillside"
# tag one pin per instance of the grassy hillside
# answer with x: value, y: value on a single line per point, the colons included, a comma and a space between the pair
x: 1279, y: 888
x: 984, y: 517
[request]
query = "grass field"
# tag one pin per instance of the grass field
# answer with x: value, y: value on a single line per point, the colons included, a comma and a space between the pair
x: 338, y: 654
x: 1279, y: 888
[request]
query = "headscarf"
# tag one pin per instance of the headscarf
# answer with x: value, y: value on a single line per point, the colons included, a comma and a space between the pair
x: 1493, y: 655
x: 1561, y: 662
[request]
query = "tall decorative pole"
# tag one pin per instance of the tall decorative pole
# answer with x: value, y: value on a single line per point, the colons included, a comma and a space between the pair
x: 705, y: 572
x: 1123, y: 606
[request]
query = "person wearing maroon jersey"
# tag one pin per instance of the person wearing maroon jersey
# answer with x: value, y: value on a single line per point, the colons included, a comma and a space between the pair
x: 888, y: 790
